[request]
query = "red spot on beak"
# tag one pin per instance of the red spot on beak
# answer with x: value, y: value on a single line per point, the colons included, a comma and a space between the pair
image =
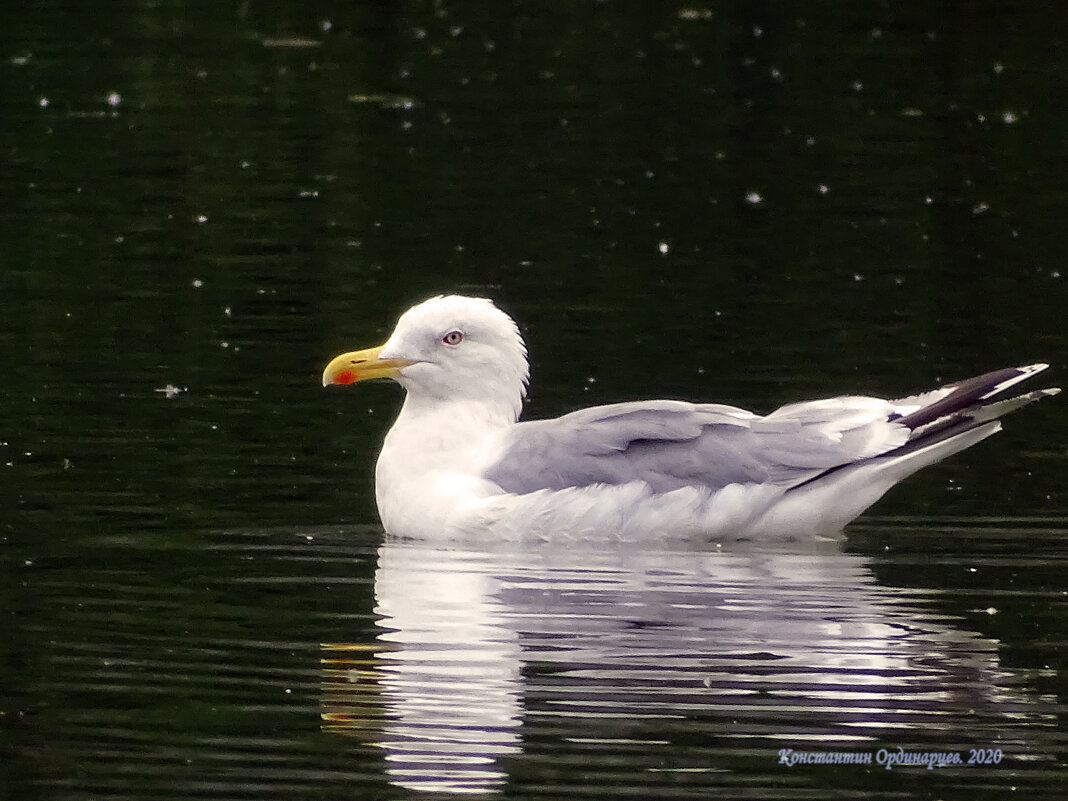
x: 345, y: 377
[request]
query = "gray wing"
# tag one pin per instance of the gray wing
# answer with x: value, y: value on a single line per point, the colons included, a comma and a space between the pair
x: 672, y: 444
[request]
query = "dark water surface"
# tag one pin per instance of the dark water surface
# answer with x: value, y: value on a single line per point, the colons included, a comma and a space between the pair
x: 747, y: 203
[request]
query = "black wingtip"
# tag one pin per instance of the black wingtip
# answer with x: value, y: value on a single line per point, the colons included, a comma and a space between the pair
x: 981, y: 390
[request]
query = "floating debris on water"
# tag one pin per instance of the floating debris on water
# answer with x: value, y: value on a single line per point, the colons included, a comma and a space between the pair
x: 292, y: 42
x: 171, y: 391
x: 386, y: 100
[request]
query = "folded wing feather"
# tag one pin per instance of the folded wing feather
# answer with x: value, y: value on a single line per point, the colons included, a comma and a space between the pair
x: 673, y: 444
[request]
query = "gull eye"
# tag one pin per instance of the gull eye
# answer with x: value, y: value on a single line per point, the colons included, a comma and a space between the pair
x: 453, y: 338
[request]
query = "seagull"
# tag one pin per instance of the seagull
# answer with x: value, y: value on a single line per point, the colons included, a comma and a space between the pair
x: 458, y: 464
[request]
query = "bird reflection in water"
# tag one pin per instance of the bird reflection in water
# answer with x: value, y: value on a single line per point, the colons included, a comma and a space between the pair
x: 478, y: 649
x: 444, y: 671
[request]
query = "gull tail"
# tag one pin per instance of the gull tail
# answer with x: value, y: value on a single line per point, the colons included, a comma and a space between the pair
x: 940, y: 423
x: 969, y: 405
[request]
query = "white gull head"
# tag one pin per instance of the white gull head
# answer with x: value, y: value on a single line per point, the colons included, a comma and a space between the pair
x: 461, y: 349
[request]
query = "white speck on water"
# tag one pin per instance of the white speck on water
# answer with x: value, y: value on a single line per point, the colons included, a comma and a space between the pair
x: 823, y: 189
x: 991, y: 610
x: 197, y: 283
x: 325, y: 25
x: 857, y: 86
x: 664, y: 248
x: 114, y: 99
x: 43, y: 102
x: 776, y: 74
x: 202, y: 218
x: 171, y: 391
x: 1009, y: 117
x: 858, y: 277
x: 980, y: 207
x: 998, y: 68
x: 228, y: 312
x: 754, y: 198
x: 757, y: 31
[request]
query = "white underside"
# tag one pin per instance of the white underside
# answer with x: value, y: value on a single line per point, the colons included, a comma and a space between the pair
x: 468, y: 509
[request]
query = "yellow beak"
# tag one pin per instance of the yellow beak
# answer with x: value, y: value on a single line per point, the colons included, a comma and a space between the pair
x: 361, y: 365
